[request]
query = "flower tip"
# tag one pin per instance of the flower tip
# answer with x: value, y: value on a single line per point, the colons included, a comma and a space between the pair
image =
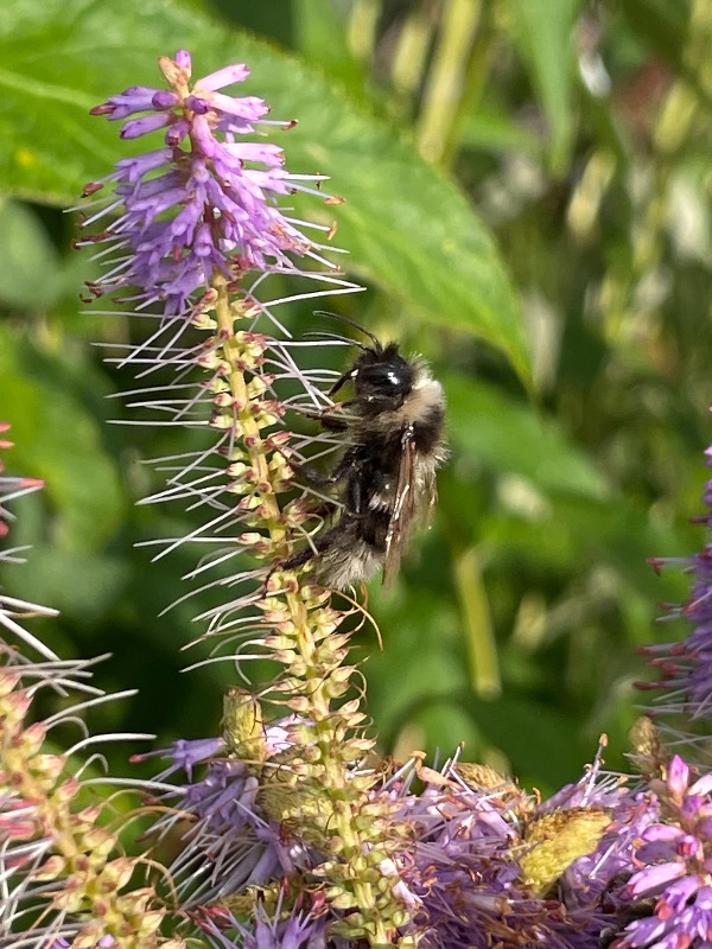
x: 164, y: 99
x: 226, y: 76
x: 91, y: 187
x: 678, y: 776
x: 104, y: 108
x: 334, y: 199
x: 176, y: 71
x: 645, y: 686
x: 183, y: 60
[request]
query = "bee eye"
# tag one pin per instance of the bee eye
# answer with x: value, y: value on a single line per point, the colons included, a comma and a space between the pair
x: 379, y: 377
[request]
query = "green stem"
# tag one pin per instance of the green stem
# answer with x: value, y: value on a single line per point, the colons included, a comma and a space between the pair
x: 332, y: 776
x: 458, y: 27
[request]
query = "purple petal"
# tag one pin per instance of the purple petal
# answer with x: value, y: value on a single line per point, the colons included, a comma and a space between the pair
x: 653, y: 877
x: 164, y: 99
x: 134, y: 168
x: 703, y: 785
x: 196, y: 104
x: 137, y: 127
x: 223, y: 77
x: 177, y: 132
x: 183, y: 61
x: 248, y: 107
x: 256, y: 151
x: 678, y: 776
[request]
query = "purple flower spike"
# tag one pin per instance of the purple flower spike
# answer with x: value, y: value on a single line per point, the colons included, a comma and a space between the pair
x: 673, y: 856
x: 685, y: 667
x: 296, y: 931
x: 202, y: 206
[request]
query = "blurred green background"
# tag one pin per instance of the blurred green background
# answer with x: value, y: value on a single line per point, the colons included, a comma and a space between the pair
x: 528, y: 202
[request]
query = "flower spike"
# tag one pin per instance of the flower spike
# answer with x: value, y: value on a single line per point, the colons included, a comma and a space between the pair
x: 202, y: 204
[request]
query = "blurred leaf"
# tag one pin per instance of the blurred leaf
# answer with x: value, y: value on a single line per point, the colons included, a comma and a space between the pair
x: 30, y: 275
x: 492, y: 130
x: 83, y: 584
x: 683, y: 44
x: 58, y: 439
x: 405, y: 224
x: 263, y: 18
x: 662, y: 24
x: 536, y: 738
x: 490, y: 429
x: 442, y: 727
x: 542, y: 31
x: 423, y: 652
x: 320, y: 37
x: 477, y: 622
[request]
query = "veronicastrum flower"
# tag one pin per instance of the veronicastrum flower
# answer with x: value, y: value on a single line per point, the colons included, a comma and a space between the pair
x: 203, y: 203
x: 197, y: 233
x: 674, y: 861
x: 685, y: 667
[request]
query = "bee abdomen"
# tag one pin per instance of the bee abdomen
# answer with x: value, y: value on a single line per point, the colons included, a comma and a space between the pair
x: 428, y: 432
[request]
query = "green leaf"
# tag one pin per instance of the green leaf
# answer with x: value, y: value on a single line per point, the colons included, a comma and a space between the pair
x: 538, y: 740
x: 509, y: 437
x: 320, y: 35
x: 59, y: 440
x: 30, y: 275
x: 405, y: 224
x: 492, y: 130
x: 86, y: 584
x: 542, y: 31
x: 663, y: 25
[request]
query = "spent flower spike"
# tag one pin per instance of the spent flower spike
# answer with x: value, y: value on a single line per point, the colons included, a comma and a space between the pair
x: 66, y: 881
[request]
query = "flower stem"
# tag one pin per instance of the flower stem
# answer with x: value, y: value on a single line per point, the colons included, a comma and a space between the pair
x: 315, y: 672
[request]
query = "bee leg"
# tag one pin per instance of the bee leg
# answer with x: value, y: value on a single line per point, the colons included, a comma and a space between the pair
x: 354, y: 493
x: 291, y: 563
x: 327, y: 420
x: 341, y: 382
x: 333, y: 424
x: 310, y: 552
x: 320, y: 480
x: 296, y: 560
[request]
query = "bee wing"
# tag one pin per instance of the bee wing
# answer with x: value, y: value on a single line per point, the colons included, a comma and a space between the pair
x: 430, y: 495
x: 404, y: 507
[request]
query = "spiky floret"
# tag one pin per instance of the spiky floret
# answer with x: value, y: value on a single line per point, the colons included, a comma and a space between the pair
x: 66, y: 881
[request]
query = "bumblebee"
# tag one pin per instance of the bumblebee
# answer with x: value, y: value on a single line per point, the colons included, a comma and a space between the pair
x: 385, y: 478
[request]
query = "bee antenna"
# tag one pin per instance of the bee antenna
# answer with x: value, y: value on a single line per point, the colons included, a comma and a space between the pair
x: 335, y: 336
x: 345, y: 319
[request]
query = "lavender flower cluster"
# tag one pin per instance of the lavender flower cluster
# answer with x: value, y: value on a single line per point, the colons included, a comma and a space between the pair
x: 287, y: 829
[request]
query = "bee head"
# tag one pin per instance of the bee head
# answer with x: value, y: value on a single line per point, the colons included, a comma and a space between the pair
x: 382, y: 378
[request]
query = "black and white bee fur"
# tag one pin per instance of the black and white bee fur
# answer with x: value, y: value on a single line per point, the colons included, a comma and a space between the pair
x: 393, y: 427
